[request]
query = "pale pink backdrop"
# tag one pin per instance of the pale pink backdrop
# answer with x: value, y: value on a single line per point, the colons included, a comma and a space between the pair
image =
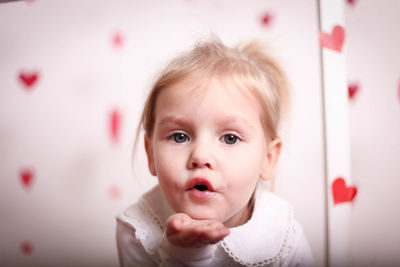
x: 373, y: 67
x: 66, y: 136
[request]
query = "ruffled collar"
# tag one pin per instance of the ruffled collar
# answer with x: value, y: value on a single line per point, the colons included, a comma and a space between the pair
x: 271, y: 220
x: 264, y: 238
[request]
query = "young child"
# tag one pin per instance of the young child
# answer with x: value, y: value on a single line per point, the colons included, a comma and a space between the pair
x: 211, y: 137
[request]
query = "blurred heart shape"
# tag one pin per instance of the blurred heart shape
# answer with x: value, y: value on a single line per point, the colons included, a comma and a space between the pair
x: 352, y: 89
x: 333, y: 40
x: 398, y: 90
x: 341, y: 192
x: 351, y: 2
x: 115, y: 124
x: 266, y: 19
x: 114, y: 192
x: 118, y: 40
x: 26, y: 176
x: 28, y: 79
x: 26, y: 248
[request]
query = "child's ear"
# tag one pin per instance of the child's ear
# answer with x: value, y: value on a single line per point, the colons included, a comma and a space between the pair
x: 272, y: 158
x: 149, y: 152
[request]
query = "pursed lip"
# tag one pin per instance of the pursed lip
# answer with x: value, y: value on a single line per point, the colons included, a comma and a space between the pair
x: 196, y: 181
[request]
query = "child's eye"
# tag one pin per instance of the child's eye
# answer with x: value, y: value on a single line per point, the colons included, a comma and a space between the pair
x: 230, y: 139
x: 179, y: 137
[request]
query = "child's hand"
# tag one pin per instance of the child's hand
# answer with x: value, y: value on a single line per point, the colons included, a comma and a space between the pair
x: 183, y: 231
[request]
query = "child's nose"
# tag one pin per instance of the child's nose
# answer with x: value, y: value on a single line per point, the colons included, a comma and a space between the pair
x: 201, y: 157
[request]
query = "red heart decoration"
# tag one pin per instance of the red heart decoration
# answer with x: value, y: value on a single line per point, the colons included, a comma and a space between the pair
x: 352, y: 88
x: 28, y: 79
x: 399, y: 89
x: 351, y: 2
x: 115, y: 124
x: 26, y: 248
x: 333, y: 41
x: 117, y: 40
x: 341, y: 192
x: 114, y: 192
x: 266, y: 19
x: 26, y: 176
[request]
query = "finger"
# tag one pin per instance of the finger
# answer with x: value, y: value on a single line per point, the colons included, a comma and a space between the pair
x: 209, y: 232
x: 176, y: 222
x: 183, y: 239
x: 195, y: 234
x: 210, y: 226
x: 214, y: 236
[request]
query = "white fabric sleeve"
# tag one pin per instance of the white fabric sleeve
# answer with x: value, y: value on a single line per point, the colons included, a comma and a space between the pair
x: 301, y: 255
x: 130, y: 250
x: 175, y: 256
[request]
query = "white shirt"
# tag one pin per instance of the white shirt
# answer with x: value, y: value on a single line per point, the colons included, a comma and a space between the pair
x: 272, y: 237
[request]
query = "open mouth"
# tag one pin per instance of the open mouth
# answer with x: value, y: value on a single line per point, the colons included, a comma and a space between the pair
x: 200, y: 184
x: 201, y: 187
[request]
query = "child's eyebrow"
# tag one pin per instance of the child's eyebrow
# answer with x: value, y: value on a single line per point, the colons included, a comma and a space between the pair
x: 173, y: 120
x: 226, y: 120
x: 237, y: 120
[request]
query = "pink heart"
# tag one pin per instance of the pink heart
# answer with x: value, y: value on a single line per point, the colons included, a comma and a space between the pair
x: 114, y: 192
x: 341, y: 192
x: 28, y: 79
x: 26, y: 176
x: 351, y: 2
x: 334, y: 40
x: 115, y: 124
x: 26, y: 248
x: 399, y: 89
x: 117, y: 40
x: 352, y: 88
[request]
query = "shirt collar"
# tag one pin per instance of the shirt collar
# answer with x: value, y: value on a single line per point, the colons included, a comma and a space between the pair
x: 263, y: 238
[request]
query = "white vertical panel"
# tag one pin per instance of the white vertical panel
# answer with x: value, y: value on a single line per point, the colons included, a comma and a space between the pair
x: 336, y: 133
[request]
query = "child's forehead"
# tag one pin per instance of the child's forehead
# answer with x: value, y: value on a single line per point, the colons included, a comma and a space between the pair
x: 194, y: 96
x: 198, y: 86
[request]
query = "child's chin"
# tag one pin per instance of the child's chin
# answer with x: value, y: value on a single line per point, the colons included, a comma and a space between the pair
x: 196, y: 215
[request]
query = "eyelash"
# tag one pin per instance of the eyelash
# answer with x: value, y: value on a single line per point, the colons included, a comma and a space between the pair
x: 223, y: 139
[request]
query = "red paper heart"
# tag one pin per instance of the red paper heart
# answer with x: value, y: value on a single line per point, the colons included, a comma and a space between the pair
x: 114, y: 192
x: 117, y: 40
x: 399, y: 90
x: 26, y: 176
x: 115, y: 125
x: 334, y: 40
x: 28, y: 79
x: 352, y: 88
x: 351, y: 2
x: 341, y: 192
x: 266, y: 19
x: 26, y: 248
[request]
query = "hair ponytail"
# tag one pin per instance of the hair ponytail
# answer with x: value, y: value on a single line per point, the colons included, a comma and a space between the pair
x: 257, y: 53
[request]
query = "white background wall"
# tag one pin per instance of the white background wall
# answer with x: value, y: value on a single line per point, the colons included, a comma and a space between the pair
x: 60, y: 127
x: 59, y: 130
x: 373, y: 65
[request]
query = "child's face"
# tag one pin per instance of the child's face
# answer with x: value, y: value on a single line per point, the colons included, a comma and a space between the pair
x: 208, y: 149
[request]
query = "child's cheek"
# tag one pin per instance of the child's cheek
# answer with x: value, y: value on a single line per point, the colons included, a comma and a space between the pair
x: 169, y: 162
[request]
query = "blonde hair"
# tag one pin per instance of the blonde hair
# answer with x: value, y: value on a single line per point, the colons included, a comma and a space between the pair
x: 248, y: 65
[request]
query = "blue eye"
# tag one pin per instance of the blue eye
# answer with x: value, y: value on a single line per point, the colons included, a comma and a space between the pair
x: 179, y: 137
x: 230, y: 139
